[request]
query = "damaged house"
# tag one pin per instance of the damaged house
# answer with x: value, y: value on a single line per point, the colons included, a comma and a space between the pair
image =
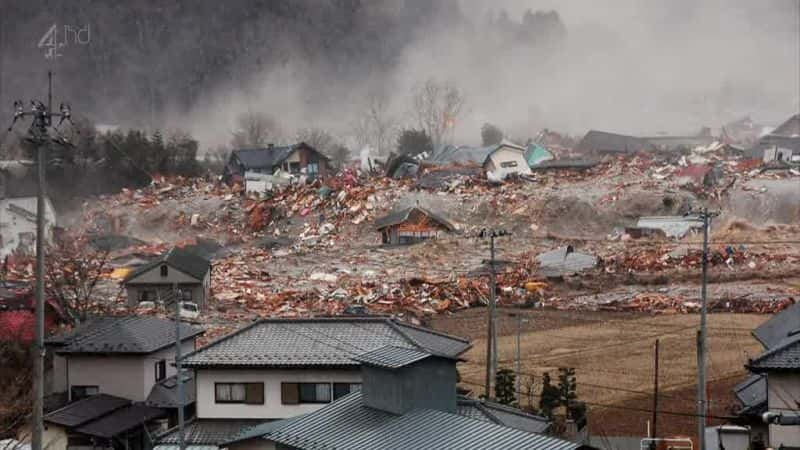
x: 782, y: 144
x: 296, y: 159
x: 604, y: 143
x: 411, y: 225
x: 506, y: 159
x: 177, y: 268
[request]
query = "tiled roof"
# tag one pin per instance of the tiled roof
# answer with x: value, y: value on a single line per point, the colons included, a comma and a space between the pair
x: 327, y: 342
x: 752, y: 393
x: 604, y: 142
x: 164, y: 394
x: 784, y: 357
x: 124, y: 334
x: 778, y: 327
x: 121, y: 420
x: 209, y: 431
x: 259, y: 430
x: 347, y: 424
x: 391, y: 357
x: 85, y: 410
x: 502, y: 415
x: 178, y: 258
x: 403, y: 215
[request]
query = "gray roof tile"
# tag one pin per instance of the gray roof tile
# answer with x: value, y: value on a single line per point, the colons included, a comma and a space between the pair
x: 178, y: 258
x: 123, y: 334
x: 777, y: 328
x: 347, y: 424
x: 121, y: 420
x: 391, y: 357
x: 209, y: 431
x: 85, y: 410
x: 327, y: 342
x: 164, y: 394
x: 502, y: 415
x: 784, y: 357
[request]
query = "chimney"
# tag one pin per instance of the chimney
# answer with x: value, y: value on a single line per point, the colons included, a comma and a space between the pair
x: 399, y: 379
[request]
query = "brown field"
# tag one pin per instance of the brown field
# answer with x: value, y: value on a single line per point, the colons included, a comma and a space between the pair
x: 613, y: 357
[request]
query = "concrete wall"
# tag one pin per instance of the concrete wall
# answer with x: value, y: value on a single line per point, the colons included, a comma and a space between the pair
x: 427, y: 384
x: 127, y: 376
x: 783, y: 393
x: 12, y: 223
x: 272, y: 379
x: 54, y: 437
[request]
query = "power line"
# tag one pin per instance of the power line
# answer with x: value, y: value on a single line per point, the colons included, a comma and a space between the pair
x: 627, y: 408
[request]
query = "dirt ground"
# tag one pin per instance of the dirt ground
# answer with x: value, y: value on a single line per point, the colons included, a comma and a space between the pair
x: 613, y: 357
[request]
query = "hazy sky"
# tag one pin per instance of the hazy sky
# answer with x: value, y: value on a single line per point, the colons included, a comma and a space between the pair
x: 630, y: 66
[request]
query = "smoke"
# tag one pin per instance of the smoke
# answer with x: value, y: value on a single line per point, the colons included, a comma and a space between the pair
x: 627, y: 66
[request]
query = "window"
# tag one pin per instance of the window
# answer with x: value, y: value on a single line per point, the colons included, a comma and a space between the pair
x: 507, y: 164
x: 294, y: 393
x: 294, y: 168
x: 248, y: 393
x: 147, y: 296
x: 342, y: 389
x: 312, y: 168
x: 79, y: 392
x: 161, y: 370
x: 164, y: 270
x: 186, y: 294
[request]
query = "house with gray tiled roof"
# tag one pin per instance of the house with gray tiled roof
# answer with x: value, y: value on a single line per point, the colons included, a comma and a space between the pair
x: 281, y: 368
x: 124, y: 356
x: 408, y: 401
x: 176, y: 268
x: 774, y: 384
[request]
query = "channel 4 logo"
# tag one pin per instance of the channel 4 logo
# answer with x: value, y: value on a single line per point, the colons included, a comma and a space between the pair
x: 58, y: 37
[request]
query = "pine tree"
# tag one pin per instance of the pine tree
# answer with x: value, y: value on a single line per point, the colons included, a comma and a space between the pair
x: 504, y: 387
x: 550, y: 396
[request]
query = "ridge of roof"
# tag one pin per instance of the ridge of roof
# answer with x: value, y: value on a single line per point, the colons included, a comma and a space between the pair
x: 105, y: 334
x: 432, y: 331
x: 755, y: 364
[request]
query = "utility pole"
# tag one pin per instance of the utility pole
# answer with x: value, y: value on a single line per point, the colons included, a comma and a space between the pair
x: 520, y: 321
x: 491, y: 339
x: 38, y: 134
x: 702, y: 403
x: 179, y: 374
x: 655, y: 395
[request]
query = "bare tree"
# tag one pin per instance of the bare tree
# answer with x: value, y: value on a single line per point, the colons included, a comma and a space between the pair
x: 73, y: 271
x: 375, y: 126
x: 254, y: 129
x: 436, y: 108
x: 319, y: 138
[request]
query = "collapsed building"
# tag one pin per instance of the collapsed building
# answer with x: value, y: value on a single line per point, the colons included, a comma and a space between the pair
x: 411, y: 225
x: 260, y: 165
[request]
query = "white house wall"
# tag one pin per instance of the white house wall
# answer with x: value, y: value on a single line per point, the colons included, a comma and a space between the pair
x: 128, y: 376
x: 272, y: 379
x: 505, y: 154
x: 783, y: 393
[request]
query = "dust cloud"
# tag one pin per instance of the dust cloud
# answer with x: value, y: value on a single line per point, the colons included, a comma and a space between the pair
x: 631, y: 66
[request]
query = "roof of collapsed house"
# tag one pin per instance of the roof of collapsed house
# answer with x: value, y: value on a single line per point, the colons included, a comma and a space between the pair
x: 790, y: 128
x: 348, y: 424
x: 268, y: 157
x: 466, y: 154
x: 401, y: 216
x: 178, y: 258
x: 603, y: 142
x: 125, y: 334
x: 320, y: 342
